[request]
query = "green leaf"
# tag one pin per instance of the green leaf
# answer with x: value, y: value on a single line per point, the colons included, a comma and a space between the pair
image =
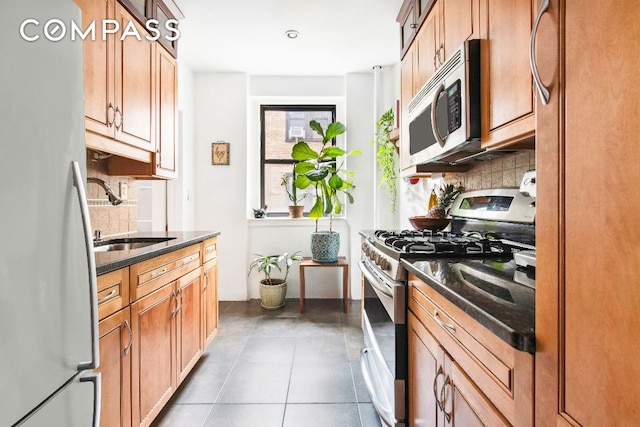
x: 317, y: 127
x: 302, y: 182
x: 301, y: 151
x: 332, y: 151
x: 334, y: 129
x: 335, y: 182
x: 349, y: 197
x: 316, y: 210
x: 304, y: 167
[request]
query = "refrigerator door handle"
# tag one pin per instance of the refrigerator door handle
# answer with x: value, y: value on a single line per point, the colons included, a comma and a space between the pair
x: 96, y: 379
x: 91, y: 265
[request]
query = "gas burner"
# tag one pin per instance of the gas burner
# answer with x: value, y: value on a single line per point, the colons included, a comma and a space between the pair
x: 427, y: 243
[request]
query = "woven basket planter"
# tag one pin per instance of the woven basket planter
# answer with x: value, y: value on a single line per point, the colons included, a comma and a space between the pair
x: 272, y: 296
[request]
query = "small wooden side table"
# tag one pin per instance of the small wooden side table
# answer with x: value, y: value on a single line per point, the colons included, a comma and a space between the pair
x: 342, y: 262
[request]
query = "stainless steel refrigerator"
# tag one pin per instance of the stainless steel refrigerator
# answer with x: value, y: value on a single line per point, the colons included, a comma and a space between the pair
x: 48, y: 318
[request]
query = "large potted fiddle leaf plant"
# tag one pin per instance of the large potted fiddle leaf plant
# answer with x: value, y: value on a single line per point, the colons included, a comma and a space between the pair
x: 325, y: 171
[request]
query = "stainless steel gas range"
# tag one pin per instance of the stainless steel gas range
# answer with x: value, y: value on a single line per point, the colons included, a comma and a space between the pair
x: 474, y: 256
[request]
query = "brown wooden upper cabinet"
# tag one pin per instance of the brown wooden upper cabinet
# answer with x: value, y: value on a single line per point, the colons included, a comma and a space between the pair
x: 131, y: 90
x: 507, y: 85
x: 432, y: 30
x: 119, y: 85
x: 158, y: 10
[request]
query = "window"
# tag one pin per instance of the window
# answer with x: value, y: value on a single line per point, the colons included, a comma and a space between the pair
x: 282, y: 126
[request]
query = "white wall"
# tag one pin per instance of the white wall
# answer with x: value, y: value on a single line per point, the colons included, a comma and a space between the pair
x: 220, y: 106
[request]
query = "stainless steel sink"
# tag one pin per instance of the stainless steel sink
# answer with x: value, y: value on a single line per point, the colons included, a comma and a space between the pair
x: 123, y: 244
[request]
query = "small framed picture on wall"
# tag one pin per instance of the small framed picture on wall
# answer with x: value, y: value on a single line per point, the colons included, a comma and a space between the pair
x: 220, y: 153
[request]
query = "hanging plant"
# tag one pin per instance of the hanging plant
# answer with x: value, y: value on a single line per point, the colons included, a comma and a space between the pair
x: 387, y: 157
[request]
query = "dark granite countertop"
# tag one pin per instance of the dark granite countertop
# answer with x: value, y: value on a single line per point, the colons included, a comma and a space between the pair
x: 114, y: 260
x: 485, y: 290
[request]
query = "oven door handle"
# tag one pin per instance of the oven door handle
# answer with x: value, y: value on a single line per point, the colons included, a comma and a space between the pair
x: 385, y: 413
x: 374, y: 281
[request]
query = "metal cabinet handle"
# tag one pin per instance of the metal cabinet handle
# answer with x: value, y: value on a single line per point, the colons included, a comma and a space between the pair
x: 211, y: 249
x: 447, y: 382
x: 206, y: 281
x: 154, y: 274
x: 434, y: 123
x: 110, y: 113
x: 544, y: 91
x: 107, y: 297
x: 178, y: 306
x: 91, y: 266
x: 96, y: 379
x: 118, y: 125
x: 187, y: 260
x: 449, y: 326
x: 435, y: 388
x: 128, y: 347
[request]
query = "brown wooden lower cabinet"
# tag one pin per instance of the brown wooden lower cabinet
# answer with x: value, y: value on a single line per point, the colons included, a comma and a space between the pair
x: 210, y: 300
x: 149, y: 347
x: 460, y: 374
x: 115, y: 369
x: 440, y: 393
x: 154, y: 353
x: 189, y: 322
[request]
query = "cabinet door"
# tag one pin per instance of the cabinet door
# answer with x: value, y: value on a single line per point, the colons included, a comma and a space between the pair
x: 116, y: 341
x: 99, y: 68
x: 426, y: 47
x: 587, y: 321
x: 210, y: 301
x: 507, y: 108
x: 167, y: 113
x: 154, y: 353
x: 464, y: 405
x: 189, y: 322
x: 134, y: 119
x: 426, y: 375
x: 459, y: 21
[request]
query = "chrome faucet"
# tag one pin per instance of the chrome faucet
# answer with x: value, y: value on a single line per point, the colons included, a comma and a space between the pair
x: 113, y: 198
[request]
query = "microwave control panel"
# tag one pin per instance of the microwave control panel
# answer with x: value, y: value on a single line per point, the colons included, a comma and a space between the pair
x: 454, y: 106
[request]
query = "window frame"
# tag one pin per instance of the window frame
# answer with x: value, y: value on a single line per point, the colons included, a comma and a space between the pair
x: 263, y: 161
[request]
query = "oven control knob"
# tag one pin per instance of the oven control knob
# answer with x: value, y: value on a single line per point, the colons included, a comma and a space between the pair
x: 384, y: 264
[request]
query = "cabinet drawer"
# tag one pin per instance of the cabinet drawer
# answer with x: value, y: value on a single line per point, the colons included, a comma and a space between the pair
x: 147, y: 276
x: 502, y: 373
x: 210, y: 249
x: 113, y: 292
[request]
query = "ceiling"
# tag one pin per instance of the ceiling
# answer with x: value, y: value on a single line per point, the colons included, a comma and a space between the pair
x: 335, y: 36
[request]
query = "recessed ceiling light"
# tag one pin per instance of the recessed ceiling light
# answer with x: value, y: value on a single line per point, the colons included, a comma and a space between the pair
x: 291, y: 34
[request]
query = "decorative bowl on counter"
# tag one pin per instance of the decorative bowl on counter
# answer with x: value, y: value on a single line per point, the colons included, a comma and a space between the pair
x: 427, y: 223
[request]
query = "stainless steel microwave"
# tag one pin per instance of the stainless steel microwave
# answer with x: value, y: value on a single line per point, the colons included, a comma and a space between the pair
x: 444, y: 116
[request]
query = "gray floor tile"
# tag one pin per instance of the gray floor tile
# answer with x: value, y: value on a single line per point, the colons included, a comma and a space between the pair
x: 224, y: 348
x: 322, y: 415
x: 251, y: 415
x: 268, y: 350
x: 236, y: 325
x: 256, y: 383
x: 174, y: 415
x: 203, y: 383
x: 321, y: 383
x: 368, y: 415
x: 276, y: 327
x: 321, y: 349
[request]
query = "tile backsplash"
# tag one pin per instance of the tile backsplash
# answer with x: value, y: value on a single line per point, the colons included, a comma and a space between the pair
x: 110, y: 220
x: 502, y: 172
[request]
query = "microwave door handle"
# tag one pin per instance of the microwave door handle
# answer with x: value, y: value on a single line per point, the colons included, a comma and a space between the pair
x: 434, y: 123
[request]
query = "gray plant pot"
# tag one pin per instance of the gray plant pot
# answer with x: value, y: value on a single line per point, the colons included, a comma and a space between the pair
x: 325, y: 246
x: 272, y: 296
